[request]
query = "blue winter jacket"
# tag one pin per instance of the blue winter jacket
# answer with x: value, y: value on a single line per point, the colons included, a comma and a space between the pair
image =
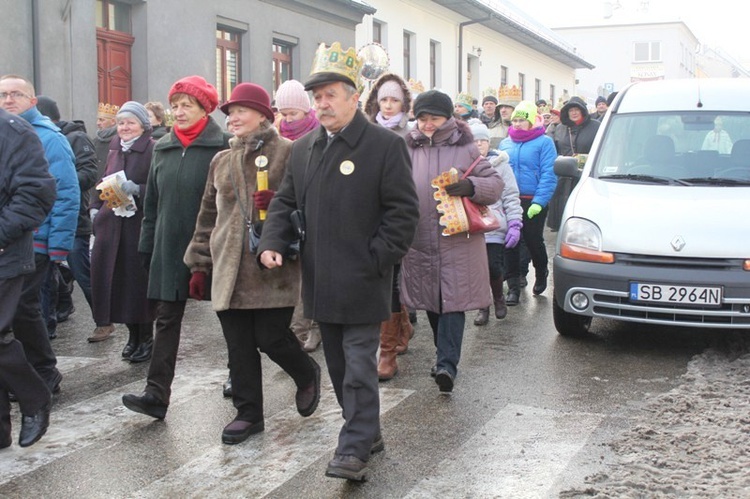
x: 56, y: 234
x: 533, y: 165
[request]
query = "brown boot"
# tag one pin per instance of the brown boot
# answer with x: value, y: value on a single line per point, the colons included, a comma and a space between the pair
x: 406, y: 331
x: 389, y: 335
x: 501, y: 309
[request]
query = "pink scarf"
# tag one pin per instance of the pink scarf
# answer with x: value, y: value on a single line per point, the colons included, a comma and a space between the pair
x: 293, y: 130
x: 525, y: 135
x: 391, y: 122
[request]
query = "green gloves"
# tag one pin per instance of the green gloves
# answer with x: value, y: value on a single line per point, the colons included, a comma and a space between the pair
x: 533, y: 211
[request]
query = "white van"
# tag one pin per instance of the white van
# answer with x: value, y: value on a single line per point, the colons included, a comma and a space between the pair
x: 658, y: 228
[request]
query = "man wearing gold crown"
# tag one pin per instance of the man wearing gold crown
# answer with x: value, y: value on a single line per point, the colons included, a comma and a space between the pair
x: 350, y: 195
x: 106, y: 130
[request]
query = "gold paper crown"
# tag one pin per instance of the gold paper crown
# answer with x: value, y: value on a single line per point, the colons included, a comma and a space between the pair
x: 415, y: 86
x: 335, y: 60
x: 107, y: 110
x: 465, y: 99
x: 544, y: 109
x: 509, y: 96
x: 489, y: 91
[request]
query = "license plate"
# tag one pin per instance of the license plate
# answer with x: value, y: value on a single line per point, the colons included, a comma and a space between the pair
x: 675, y: 294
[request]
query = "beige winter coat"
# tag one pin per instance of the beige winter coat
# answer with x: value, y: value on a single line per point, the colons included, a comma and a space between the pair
x: 220, y: 242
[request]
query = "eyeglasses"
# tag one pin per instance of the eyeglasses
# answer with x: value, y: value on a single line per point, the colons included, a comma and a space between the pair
x: 15, y: 95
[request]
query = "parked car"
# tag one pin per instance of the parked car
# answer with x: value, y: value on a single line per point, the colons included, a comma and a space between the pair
x: 658, y: 229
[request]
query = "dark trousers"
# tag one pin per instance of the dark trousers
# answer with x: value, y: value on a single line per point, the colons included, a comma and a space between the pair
x: 16, y: 374
x: 495, y: 259
x: 448, y: 335
x: 249, y: 332
x: 29, y: 326
x: 164, y: 354
x: 532, y: 234
x: 351, y: 355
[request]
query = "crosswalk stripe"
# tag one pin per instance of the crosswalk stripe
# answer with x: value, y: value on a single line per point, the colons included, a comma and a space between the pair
x: 256, y: 467
x: 519, y: 453
x: 88, y: 422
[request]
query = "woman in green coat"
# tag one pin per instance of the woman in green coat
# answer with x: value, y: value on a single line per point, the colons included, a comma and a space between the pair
x: 173, y: 196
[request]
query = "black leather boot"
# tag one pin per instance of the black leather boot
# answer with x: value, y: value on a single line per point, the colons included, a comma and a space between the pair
x: 498, y: 297
x: 132, y: 343
x: 540, y: 284
x: 146, y: 343
x: 514, y: 292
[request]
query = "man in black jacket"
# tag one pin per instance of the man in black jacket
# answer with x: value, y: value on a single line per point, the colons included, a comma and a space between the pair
x: 27, y: 193
x: 349, y: 183
x: 78, y: 258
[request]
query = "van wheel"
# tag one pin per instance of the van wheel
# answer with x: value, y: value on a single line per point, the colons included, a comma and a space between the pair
x: 568, y: 324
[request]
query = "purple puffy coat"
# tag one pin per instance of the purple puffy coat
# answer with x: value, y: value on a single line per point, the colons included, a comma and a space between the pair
x: 447, y: 274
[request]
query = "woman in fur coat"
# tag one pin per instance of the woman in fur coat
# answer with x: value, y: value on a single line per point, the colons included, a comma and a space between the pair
x: 254, y: 306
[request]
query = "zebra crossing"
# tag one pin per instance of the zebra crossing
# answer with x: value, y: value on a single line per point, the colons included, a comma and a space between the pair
x: 519, y: 452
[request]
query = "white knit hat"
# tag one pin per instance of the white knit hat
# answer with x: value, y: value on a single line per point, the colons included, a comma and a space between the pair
x: 391, y: 88
x: 291, y: 95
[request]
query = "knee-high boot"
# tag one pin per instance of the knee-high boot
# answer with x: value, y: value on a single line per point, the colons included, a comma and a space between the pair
x: 389, y: 335
x: 405, y: 331
x: 145, y: 343
x: 501, y: 309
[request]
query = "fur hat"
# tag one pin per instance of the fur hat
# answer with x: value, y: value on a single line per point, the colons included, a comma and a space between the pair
x: 250, y: 95
x: 526, y: 110
x: 292, y: 95
x: 433, y: 102
x: 138, y: 111
x: 198, y: 87
x: 478, y: 129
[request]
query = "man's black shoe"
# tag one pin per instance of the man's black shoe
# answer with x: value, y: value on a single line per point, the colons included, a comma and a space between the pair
x: 145, y: 404
x: 34, y: 427
x: 347, y: 467
x: 444, y: 381
x: 378, y: 445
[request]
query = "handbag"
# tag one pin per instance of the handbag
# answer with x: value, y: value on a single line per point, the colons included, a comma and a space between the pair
x: 479, y: 217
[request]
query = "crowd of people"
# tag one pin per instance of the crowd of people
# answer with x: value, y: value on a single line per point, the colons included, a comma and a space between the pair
x: 303, y: 224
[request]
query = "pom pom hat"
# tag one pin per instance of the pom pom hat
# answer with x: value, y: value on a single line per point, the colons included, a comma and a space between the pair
x: 292, y: 95
x: 198, y: 87
x: 252, y: 96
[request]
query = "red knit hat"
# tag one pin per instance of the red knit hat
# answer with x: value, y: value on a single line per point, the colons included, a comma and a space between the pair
x: 252, y: 96
x: 198, y: 87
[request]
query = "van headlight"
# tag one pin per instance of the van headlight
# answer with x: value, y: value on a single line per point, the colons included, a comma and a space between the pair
x: 581, y: 239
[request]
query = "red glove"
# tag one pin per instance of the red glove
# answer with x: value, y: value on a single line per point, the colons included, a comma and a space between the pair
x: 263, y: 199
x: 198, y: 285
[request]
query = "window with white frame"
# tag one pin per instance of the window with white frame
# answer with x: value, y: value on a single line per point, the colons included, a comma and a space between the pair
x: 647, y: 52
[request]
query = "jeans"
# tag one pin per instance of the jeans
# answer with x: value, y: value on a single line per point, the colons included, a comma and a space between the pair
x: 79, y: 261
x: 448, y: 334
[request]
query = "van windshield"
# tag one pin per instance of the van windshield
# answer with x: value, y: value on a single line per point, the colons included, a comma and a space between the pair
x: 688, y: 148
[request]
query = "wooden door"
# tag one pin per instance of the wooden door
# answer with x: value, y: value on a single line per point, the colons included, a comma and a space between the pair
x: 114, y: 66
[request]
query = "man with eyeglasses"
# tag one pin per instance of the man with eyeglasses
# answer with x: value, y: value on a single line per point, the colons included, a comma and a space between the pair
x: 54, y: 238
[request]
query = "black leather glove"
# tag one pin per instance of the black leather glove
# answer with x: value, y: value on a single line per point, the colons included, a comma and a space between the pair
x: 145, y: 260
x: 463, y: 187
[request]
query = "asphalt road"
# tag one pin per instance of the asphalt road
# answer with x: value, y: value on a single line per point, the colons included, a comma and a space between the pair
x: 530, y: 416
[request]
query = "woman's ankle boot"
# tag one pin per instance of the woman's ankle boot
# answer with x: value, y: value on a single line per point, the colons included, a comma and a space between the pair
x: 146, y: 343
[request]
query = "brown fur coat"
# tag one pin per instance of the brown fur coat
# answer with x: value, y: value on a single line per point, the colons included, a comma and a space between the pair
x: 220, y: 242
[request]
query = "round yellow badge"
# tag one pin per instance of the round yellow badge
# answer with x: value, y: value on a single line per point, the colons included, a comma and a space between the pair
x: 346, y: 167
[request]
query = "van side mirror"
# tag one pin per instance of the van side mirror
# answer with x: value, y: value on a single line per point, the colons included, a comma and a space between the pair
x: 567, y: 166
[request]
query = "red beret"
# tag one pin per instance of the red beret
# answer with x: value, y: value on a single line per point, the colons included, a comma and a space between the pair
x: 198, y: 87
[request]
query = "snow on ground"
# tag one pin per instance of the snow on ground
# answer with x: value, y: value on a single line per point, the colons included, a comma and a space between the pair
x: 693, y: 441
